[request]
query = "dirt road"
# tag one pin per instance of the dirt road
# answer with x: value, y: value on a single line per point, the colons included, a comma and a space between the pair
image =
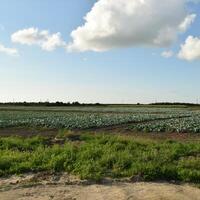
x: 63, y: 189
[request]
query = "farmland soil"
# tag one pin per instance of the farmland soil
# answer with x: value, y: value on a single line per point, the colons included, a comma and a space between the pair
x: 27, y: 132
x: 63, y: 187
x: 116, y: 130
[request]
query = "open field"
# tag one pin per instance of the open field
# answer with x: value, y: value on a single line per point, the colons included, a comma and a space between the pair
x: 181, y: 119
x: 133, y: 143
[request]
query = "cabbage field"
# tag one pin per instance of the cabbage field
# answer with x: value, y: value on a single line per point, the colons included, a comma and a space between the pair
x: 180, y: 125
x: 141, y: 119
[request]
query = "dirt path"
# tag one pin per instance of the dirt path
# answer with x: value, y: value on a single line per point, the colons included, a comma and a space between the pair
x: 137, y: 191
x: 118, y: 129
x: 65, y: 188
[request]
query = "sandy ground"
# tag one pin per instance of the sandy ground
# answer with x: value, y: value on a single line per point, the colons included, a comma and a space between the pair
x: 53, y: 187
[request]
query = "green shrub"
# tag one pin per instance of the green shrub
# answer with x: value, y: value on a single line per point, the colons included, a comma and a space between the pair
x: 100, y: 156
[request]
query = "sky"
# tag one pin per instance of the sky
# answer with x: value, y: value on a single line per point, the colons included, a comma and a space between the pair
x: 107, y: 51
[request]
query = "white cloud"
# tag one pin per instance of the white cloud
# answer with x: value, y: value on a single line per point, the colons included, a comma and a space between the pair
x: 167, y: 54
x: 187, y: 22
x: 33, y: 36
x: 127, y: 23
x: 190, y: 50
x: 8, y: 51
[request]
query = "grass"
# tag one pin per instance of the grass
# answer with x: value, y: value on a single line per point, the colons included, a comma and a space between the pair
x: 98, y: 156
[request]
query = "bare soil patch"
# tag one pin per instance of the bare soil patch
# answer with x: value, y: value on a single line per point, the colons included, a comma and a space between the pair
x: 27, y: 132
x: 63, y: 187
x: 116, y: 130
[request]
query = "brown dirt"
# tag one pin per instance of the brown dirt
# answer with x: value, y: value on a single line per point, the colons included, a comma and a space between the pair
x: 63, y: 187
x: 27, y: 132
x: 153, y: 136
x: 115, y: 130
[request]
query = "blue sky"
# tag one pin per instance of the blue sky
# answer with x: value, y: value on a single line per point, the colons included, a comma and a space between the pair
x: 118, y: 75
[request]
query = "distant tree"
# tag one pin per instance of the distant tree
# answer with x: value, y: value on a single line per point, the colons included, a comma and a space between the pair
x: 76, y: 103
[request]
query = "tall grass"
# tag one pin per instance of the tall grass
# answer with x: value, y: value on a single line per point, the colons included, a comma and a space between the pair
x: 97, y: 157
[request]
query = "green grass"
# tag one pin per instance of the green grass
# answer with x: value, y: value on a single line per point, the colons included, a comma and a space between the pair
x: 100, y: 156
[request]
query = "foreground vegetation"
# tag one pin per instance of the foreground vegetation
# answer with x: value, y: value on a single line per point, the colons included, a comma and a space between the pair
x: 99, y: 156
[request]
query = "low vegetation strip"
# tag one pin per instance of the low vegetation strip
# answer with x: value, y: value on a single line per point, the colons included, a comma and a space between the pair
x: 95, y: 157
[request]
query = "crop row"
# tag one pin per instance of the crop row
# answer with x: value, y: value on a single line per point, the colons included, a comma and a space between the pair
x: 73, y: 120
x: 180, y: 125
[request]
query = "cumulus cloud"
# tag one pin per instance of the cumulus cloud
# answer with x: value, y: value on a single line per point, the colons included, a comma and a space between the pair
x: 127, y: 23
x: 8, y: 51
x: 167, y: 54
x: 190, y: 50
x: 33, y: 36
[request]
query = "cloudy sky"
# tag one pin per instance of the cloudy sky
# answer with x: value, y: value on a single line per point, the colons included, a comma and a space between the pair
x: 109, y: 51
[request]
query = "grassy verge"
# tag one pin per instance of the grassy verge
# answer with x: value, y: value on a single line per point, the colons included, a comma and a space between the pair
x: 100, y: 156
